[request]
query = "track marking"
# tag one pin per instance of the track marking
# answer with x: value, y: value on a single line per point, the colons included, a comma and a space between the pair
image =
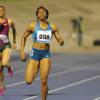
x: 21, y: 71
x: 70, y: 85
x: 16, y: 72
x: 51, y: 75
x: 98, y: 98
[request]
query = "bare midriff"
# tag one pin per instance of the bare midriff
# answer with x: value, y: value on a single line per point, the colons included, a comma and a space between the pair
x: 41, y: 46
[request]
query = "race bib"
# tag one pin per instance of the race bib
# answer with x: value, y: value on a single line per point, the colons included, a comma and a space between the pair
x: 44, y: 36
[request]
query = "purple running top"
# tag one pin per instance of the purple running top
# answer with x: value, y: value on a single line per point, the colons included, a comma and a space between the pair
x: 4, y: 27
x: 4, y: 31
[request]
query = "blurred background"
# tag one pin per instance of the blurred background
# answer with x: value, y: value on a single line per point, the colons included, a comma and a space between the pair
x: 61, y: 12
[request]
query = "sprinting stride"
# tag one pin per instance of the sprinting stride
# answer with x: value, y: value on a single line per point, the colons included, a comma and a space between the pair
x: 5, y: 46
x: 42, y: 32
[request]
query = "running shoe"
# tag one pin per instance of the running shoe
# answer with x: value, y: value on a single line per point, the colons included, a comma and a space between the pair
x: 10, y: 72
x: 2, y: 91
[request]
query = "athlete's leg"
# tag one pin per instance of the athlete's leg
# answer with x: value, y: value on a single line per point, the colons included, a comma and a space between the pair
x: 31, y: 70
x: 6, y: 55
x: 0, y: 59
x: 2, y: 85
x: 1, y: 73
x: 45, y: 65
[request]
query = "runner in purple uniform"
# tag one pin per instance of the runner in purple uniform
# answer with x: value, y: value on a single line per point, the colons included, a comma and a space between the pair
x: 5, y: 46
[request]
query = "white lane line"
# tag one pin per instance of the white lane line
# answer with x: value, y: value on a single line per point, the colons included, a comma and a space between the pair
x: 51, y: 75
x: 67, y: 86
x: 98, y: 98
x: 16, y: 72
x: 21, y: 71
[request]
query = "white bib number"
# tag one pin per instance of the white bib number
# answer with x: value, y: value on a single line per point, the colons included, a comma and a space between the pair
x: 44, y: 36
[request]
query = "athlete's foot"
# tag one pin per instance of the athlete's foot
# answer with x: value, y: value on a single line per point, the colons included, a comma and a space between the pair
x: 2, y: 91
x: 10, y: 72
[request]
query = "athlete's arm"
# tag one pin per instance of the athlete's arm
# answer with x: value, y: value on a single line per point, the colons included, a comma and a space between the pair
x: 28, y: 31
x: 57, y: 35
x: 12, y: 25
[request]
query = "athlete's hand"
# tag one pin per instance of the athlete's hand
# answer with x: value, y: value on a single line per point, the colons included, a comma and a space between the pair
x: 23, y: 56
x: 61, y: 43
x: 14, y: 46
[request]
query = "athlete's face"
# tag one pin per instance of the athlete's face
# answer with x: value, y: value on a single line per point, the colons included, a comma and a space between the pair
x: 2, y: 12
x: 41, y: 14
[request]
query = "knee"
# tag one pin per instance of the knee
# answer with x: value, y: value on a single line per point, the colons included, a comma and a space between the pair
x: 4, y: 64
x: 44, y: 82
x: 28, y: 81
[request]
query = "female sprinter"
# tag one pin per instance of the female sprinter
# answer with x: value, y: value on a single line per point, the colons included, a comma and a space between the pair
x: 5, y: 46
x: 40, y: 56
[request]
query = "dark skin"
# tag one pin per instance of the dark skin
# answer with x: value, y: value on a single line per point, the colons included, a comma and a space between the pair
x: 5, y: 55
x: 6, y: 52
x: 11, y: 24
x: 44, y: 65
